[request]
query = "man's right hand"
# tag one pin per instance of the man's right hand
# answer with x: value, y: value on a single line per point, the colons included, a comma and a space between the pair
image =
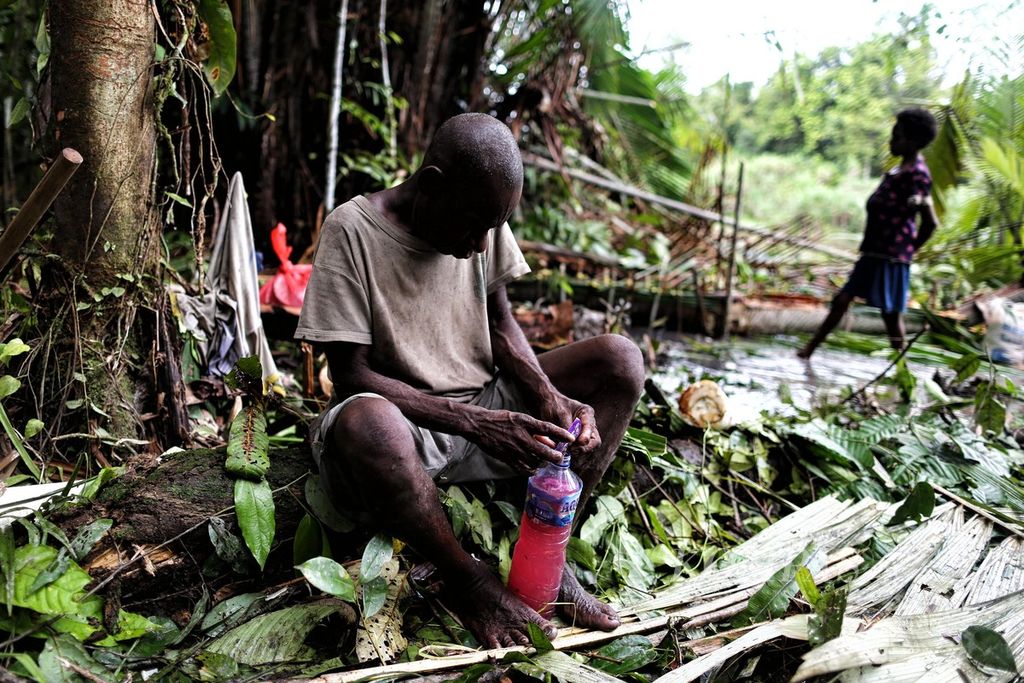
x: 518, y: 439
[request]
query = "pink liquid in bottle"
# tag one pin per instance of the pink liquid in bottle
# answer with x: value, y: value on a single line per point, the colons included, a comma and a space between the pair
x: 539, y: 555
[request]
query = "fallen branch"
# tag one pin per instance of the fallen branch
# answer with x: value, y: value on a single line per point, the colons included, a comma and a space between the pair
x: 889, y: 367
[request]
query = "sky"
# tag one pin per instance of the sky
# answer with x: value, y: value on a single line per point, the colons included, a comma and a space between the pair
x: 728, y: 36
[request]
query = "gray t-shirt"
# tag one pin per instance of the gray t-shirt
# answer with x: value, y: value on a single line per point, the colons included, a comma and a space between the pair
x: 423, y: 313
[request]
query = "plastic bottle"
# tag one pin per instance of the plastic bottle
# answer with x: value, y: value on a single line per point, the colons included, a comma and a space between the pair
x: 539, y: 556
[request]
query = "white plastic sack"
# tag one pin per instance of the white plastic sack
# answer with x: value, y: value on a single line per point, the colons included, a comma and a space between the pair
x: 1004, y: 339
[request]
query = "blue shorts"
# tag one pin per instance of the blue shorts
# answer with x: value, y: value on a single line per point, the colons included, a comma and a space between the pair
x: 882, y: 283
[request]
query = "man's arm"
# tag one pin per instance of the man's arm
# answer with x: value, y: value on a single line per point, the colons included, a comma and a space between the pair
x: 513, y: 356
x: 506, y: 435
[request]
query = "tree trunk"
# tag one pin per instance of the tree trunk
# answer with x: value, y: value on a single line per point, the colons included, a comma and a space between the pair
x: 106, y: 232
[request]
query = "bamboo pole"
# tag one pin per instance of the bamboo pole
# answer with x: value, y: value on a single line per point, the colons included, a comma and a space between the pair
x: 545, y: 164
x: 36, y: 205
x: 731, y: 273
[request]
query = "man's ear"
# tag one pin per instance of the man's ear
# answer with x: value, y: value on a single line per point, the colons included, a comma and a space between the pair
x: 430, y: 180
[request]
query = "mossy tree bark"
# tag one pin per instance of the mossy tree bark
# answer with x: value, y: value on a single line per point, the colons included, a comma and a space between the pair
x: 106, y: 232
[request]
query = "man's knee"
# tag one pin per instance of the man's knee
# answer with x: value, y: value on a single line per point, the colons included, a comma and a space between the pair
x: 367, y: 424
x: 622, y: 362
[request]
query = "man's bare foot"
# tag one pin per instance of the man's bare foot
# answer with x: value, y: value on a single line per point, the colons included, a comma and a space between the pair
x: 580, y: 608
x: 495, y: 616
x: 805, y: 352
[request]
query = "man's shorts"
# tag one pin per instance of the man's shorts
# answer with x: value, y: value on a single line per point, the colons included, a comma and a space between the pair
x: 446, y: 458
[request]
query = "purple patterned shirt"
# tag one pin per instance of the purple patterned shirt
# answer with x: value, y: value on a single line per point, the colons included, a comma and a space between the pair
x: 891, y: 226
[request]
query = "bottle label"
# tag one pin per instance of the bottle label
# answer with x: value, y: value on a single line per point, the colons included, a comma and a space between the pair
x: 544, y: 508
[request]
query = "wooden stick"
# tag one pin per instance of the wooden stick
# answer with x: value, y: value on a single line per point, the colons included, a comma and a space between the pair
x: 731, y: 271
x: 36, y: 205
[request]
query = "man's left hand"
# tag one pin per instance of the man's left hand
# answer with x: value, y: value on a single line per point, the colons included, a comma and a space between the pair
x: 561, y: 410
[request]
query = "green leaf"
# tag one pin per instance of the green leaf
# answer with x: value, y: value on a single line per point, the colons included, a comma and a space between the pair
x: 53, y: 571
x: 582, y: 553
x: 8, y: 385
x: 229, y: 613
x: 59, y: 597
x: 966, y: 366
x: 220, y: 64
x: 625, y: 655
x: 87, y: 537
x: 323, y: 509
x: 179, y: 199
x: 662, y: 555
x: 988, y: 648
x: 989, y: 412
x: 13, y: 348
x: 60, y: 651
x: 374, y: 594
x: 254, y: 506
x: 131, y: 625
x: 275, y: 637
x: 805, y: 582
x: 905, y: 380
x: 917, y: 506
x: 248, y: 444
x: 308, y: 540
x: 376, y: 554
x: 228, y: 546
x: 92, y: 486
x: 538, y: 638
x: 772, y: 600
x: 827, y: 621
x: 33, y: 427
x: 18, y: 113
x: 330, y: 577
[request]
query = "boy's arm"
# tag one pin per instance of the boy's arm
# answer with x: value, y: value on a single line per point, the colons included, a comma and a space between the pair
x: 513, y: 356
x: 928, y: 221
x: 506, y: 435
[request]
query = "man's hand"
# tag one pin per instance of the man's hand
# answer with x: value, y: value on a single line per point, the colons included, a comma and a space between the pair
x: 562, y: 410
x: 519, y: 440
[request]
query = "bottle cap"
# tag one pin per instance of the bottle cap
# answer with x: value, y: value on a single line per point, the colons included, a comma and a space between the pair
x: 562, y: 446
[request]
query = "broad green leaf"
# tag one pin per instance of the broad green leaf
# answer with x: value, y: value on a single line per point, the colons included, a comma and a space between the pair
x: 53, y: 571
x: 609, y: 512
x: 323, y: 509
x: 581, y: 552
x: 308, y: 542
x: 220, y: 64
x: 93, y: 485
x: 374, y: 593
x: 330, y: 577
x: 18, y: 113
x: 131, y: 625
x: 13, y: 348
x: 62, y: 596
x: 772, y: 600
x: 9, y: 385
x: 8, y: 566
x: 254, y: 506
x: 248, y: 444
x: 251, y: 366
x: 538, y: 638
x: 989, y: 411
x: 805, y: 582
x: 565, y: 668
x: 662, y: 555
x: 917, y: 506
x: 966, y: 366
x: 625, y: 655
x: 275, y: 637
x: 988, y: 648
x: 509, y: 511
x: 376, y: 554
x: 59, y: 651
x: 87, y: 537
x: 33, y: 427
x: 905, y: 380
x: 827, y: 621
x: 229, y: 613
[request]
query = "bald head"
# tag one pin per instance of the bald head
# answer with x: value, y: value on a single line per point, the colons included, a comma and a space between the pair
x: 476, y: 151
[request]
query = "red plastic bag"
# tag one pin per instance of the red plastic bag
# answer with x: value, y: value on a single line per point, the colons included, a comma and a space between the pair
x: 287, y: 288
